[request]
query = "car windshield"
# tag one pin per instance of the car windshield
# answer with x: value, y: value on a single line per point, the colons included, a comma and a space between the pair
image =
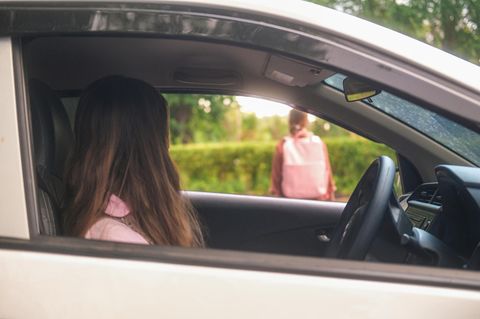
x: 452, y: 135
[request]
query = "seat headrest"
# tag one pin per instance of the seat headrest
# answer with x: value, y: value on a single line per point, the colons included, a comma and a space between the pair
x: 52, y: 134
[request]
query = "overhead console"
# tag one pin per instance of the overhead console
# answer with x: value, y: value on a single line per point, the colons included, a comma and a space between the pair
x: 294, y: 73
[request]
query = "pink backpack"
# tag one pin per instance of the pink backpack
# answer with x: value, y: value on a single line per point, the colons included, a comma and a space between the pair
x: 304, y: 172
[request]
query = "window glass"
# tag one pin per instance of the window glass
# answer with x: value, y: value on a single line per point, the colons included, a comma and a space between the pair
x: 226, y: 144
x: 454, y: 136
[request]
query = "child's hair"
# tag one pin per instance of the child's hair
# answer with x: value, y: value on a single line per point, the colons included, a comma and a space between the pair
x: 297, y: 120
x: 121, y: 148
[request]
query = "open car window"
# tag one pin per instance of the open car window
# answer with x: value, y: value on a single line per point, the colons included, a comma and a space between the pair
x: 450, y: 134
x: 226, y: 144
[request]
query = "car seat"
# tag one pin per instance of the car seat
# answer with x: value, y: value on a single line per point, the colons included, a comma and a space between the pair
x: 52, y: 141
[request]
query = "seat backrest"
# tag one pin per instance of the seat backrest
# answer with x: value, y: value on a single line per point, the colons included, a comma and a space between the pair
x: 52, y: 139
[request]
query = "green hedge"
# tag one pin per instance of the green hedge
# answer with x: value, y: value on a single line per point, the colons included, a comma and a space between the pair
x: 244, y: 168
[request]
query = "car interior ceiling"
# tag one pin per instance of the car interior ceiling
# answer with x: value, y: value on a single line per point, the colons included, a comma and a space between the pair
x: 192, y: 66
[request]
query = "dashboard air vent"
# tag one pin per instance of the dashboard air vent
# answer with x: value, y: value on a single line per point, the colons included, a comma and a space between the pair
x: 427, y: 193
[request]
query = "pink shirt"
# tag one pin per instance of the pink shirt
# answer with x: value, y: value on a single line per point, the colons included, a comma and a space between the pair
x: 111, y: 229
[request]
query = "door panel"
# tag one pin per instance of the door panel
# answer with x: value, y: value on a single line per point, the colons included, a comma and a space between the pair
x: 46, y: 285
x: 265, y: 224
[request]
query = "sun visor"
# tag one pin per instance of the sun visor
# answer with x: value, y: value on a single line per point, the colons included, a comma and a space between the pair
x: 294, y: 73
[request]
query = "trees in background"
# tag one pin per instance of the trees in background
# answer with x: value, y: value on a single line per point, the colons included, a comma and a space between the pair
x: 244, y: 168
x: 196, y: 118
x: 452, y: 25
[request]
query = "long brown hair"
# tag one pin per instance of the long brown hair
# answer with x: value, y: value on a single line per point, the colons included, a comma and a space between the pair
x: 121, y: 148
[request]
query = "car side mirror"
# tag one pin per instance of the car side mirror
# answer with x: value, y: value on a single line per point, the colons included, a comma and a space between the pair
x: 356, y: 90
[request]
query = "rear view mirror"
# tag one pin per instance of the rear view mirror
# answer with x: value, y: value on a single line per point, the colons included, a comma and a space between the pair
x: 356, y: 90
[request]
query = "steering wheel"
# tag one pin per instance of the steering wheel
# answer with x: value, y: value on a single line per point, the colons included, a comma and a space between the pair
x: 363, y: 215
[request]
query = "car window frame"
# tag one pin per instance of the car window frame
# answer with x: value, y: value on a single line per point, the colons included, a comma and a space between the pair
x: 209, y: 257
x: 13, y: 198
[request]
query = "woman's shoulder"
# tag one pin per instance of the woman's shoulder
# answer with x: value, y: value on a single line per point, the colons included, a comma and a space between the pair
x: 113, y: 230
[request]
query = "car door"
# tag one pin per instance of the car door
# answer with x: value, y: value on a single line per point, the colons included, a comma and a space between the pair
x: 266, y: 224
x: 49, y: 277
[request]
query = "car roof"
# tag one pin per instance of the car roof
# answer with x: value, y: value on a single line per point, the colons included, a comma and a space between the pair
x: 353, y: 28
x: 349, y: 27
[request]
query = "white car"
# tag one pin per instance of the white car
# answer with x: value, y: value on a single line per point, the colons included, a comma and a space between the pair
x: 378, y: 256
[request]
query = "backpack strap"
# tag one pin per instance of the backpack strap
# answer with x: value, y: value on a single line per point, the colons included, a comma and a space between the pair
x: 301, y: 134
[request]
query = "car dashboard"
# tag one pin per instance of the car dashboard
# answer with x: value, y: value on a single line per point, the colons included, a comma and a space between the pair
x: 449, y: 210
x: 423, y: 205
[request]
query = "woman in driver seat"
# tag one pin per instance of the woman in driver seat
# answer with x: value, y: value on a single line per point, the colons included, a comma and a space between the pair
x: 122, y: 184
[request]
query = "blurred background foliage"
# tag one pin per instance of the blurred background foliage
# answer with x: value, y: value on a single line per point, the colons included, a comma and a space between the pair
x: 196, y: 118
x: 451, y: 25
x: 244, y: 168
